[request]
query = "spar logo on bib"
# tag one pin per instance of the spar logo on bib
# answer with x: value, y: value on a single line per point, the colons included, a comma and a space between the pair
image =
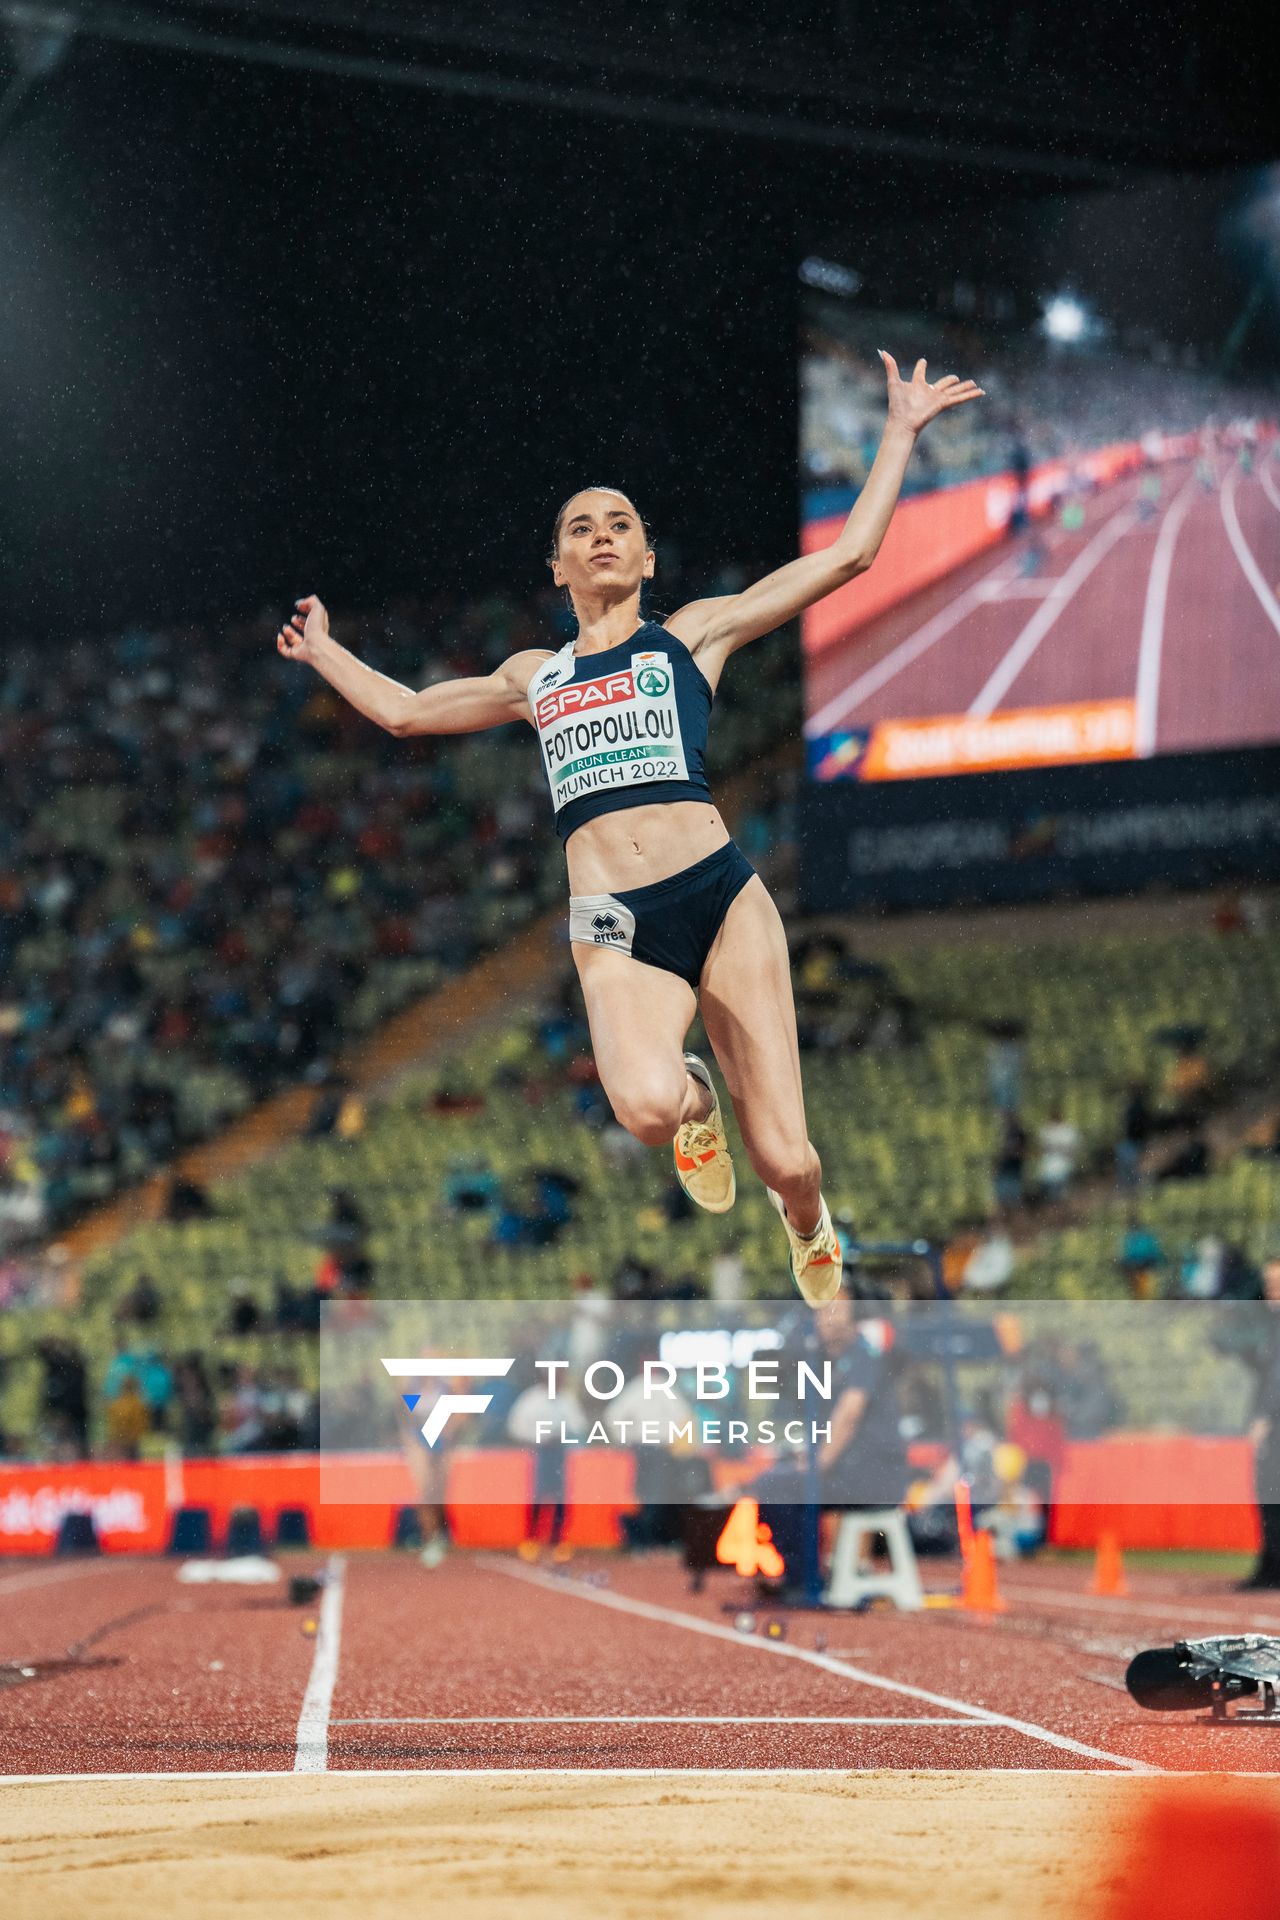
x: 651, y: 679
x: 583, y: 697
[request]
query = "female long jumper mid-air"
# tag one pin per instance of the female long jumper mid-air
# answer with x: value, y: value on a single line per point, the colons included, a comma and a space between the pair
x: 664, y: 909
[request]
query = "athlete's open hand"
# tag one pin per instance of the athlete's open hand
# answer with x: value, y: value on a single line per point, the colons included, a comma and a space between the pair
x: 308, y: 625
x: 914, y: 403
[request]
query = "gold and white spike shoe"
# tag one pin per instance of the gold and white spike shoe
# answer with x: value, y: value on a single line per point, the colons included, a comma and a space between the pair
x: 817, y: 1264
x: 703, y: 1165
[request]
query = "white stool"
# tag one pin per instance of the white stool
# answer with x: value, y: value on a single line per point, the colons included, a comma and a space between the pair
x: 848, y: 1584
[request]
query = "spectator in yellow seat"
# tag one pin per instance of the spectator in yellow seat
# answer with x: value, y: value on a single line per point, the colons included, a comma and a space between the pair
x: 127, y: 1419
x: 144, y: 1367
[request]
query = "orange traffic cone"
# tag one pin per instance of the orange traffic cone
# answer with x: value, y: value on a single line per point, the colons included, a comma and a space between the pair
x: 981, y: 1592
x: 1108, y: 1568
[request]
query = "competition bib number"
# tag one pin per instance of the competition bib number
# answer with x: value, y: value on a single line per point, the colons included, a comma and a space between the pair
x: 619, y: 731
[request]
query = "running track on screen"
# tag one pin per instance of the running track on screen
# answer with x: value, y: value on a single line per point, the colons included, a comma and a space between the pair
x: 1175, y: 610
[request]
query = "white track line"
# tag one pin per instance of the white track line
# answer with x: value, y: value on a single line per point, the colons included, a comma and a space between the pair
x: 1030, y: 587
x: 987, y: 588
x: 620, y: 1773
x: 51, y: 1576
x: 661, y: 1720
x: 313, y: 1722
x: 1147, y: 692
x: 1268, y: 484
x: 1063, y: 592
x: 1252, y: 571
x: 667, y: 1616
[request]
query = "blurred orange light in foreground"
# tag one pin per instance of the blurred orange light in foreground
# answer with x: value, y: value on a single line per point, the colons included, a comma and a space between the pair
x: 1196, y: 1851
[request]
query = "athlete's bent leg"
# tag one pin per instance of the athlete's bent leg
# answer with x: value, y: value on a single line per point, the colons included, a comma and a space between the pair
x: 639, y: 1016
x: 749, y: 1014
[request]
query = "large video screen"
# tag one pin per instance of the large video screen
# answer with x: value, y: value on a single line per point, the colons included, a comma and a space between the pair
x: 1083, y: 566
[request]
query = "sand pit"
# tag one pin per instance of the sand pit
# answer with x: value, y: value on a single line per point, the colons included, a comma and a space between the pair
x: 889, y: 1846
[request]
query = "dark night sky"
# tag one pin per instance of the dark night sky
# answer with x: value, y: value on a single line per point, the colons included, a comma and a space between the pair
x: 261, y: 334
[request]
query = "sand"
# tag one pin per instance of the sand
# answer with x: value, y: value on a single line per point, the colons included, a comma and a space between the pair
x: 1035, y: 1846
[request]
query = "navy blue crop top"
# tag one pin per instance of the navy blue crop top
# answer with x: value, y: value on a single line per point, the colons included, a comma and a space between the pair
x: 622, y: 728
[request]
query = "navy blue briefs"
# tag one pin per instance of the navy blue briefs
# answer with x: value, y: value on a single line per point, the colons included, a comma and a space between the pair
x: 672, y: 923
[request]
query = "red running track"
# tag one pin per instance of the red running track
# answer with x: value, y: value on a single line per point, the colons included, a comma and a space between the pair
x: 608, y: 1664
x: 1176, y: 610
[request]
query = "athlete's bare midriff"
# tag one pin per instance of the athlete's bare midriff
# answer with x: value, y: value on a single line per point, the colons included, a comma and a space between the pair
x: 637, y: 845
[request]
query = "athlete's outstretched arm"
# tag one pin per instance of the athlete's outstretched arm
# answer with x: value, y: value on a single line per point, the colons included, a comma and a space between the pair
x: 719, y: 627
x: 451, y: 706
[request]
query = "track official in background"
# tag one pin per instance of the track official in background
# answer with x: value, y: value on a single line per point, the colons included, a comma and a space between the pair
x: 864, y: 1462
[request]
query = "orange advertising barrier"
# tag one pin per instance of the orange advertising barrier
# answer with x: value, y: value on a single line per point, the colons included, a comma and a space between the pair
x: 1198, y: 1493
x: 1016, y: 737
x: 1159, y: 1528
x: 933, y: 533
x: 127, y: 1503
x: 487, y: 1494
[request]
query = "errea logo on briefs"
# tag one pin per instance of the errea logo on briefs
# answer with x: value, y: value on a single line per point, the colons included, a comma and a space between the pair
x: 580, y: 696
